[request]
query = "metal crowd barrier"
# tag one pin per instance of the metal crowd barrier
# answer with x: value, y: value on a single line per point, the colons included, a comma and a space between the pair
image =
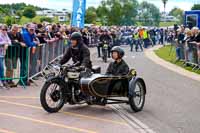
x: 15, y: 64
x: 44, y: 54
x: 22, y: 63
x: 190, y: 54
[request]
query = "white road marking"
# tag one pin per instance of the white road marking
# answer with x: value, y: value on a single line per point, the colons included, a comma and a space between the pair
x: 133, y: 121
x: 133, y: 57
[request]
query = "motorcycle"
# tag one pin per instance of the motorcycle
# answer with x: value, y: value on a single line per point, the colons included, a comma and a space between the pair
x: 105, y: 47
x: 78, y: 85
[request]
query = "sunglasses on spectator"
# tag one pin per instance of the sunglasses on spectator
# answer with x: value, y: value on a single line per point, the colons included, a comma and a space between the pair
x: 32, y: 29
x: 4, y: 29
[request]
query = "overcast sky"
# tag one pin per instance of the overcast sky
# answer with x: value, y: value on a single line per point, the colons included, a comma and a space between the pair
x: 67, y: 4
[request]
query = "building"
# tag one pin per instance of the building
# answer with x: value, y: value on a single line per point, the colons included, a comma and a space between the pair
x: 62, y: 15
x: 165, y: 17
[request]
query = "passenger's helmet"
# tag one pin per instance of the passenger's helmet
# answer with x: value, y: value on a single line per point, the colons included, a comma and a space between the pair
x: 119, y: 50
x: 76, y: 36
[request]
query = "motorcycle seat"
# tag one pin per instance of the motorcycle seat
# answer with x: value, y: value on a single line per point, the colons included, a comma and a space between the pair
x: 96, y: 69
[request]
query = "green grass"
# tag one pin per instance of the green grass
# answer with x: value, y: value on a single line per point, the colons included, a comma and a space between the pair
x: 167, y: 24
x: 168, y: 53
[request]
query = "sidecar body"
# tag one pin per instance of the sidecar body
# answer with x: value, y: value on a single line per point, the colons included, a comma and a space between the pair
x: 100, y: 85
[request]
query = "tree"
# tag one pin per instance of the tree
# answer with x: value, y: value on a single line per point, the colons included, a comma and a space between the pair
x: 178, y: 13
x: 45, y: 19
x: 196, y: 7
x: 148, y: 14
x: 8, y: 20
x: 24, y: 20
x: 2, y: 10
x: 29, y: 12
x: 91, y: 15
x: 129, y: 12
x: 117, y: 12
x: 102, y: 13
x: 19, y: 13
x: 36, y: 19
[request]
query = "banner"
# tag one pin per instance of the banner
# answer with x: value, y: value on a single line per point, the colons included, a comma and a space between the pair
x: 78, y: 14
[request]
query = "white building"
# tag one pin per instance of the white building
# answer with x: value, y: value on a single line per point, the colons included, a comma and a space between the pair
x: 62, y: 15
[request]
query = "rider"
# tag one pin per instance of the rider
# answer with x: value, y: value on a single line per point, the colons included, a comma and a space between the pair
x: 78, y: 51
x: 104, y: 37
x: 119, y: 66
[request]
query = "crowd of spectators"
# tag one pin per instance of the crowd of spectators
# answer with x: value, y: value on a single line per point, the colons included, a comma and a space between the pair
x: 15, y: 40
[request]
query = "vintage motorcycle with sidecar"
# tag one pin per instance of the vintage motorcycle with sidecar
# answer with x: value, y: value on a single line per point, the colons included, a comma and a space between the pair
x: 78, y: 85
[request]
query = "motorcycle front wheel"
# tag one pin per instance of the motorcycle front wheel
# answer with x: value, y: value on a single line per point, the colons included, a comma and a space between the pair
x: 105, y: 55
x: 52, y: 96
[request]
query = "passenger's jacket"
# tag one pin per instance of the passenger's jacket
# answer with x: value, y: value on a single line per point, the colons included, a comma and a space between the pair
x: 118, y: 69
x: 80, y: 56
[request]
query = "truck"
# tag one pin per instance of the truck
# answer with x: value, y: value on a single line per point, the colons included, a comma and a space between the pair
x: 192, y: 18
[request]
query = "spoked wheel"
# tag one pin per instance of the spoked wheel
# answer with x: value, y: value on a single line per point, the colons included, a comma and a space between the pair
x: 105, y: 56
x: 52, y: 97
x: 138, y: 99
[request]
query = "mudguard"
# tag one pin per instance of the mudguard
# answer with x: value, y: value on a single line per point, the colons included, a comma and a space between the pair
x: 61, y: 82
x: 132, y: 84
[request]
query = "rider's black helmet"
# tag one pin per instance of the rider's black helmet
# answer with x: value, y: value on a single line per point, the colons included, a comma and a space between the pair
x: 76, y: 36
x: 119, y: 50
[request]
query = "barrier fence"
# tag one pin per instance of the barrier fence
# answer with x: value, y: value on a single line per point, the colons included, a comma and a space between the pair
x: 22, y: 63
x: 43, y: 55
x: 190, y: 54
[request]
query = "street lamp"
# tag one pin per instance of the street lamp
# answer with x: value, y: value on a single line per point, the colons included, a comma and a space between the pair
x: 164, y: 2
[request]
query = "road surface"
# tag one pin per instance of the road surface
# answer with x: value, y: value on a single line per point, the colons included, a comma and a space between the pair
x: 172, y: 106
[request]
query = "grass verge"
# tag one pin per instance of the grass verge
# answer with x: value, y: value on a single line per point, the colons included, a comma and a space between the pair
x: 168, y: 54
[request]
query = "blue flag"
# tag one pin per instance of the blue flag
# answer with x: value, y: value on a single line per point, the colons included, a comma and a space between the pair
x: 78, y: 14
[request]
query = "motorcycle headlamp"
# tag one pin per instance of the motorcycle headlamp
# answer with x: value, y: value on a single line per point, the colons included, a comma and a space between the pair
x: 133, y: 72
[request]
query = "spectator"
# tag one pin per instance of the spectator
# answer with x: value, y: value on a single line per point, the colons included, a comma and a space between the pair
x: 13, y: 53
x: 31, y: 41
x: 4, y: 43
x: 40, y: 33
x: 50, y: 34
x: 145, y: 38
x: 188, y: 47
x: 196, y: 40
x: 180, y: 44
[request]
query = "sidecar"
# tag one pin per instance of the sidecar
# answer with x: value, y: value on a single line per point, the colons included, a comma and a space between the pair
x: 112, y: 88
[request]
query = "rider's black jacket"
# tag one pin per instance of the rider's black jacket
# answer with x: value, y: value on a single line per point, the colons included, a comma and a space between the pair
x: 106, y: 38
x: 118, y: 69
x: 80, y: 56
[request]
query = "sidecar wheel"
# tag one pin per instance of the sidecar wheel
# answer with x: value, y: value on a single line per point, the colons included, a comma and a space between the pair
x: 138, y: 99
x: 52, y: 97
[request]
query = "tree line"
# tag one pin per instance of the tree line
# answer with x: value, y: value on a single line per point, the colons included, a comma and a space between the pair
x: 109, y: 12
x: 131, y: 12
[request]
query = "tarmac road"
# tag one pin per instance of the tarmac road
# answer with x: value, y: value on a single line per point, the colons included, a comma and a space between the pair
x: 172, y: 106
